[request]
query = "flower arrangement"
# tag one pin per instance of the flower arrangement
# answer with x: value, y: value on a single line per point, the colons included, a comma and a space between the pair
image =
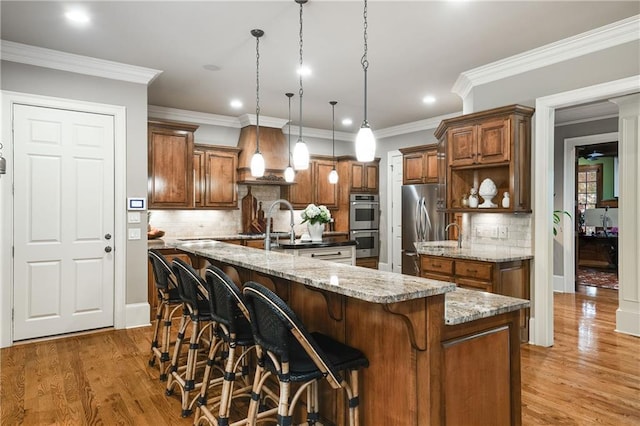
x: 316, y: 214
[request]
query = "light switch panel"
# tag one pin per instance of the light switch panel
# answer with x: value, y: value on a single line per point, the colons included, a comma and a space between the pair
x: 133, y: 217
x: 134, y: 233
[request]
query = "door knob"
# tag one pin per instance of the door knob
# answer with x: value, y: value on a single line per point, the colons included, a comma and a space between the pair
x: 107, y: 236
x: 108, y: 249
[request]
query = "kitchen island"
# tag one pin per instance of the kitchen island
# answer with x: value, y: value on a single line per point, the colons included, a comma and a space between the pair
x: 438, y: 354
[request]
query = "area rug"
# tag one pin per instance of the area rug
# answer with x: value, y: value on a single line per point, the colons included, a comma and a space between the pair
x: 597, y: 278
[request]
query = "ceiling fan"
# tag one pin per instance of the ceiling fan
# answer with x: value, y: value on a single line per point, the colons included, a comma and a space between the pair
x: 592, y: 156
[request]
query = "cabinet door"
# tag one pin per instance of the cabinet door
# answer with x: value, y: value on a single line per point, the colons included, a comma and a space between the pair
x: 493, y: 141
x: 170, y: 168
x: 301, y: 193
x: 325, y: 193
x: 412, y: 168
x: 461, y: 145
x: 371, y: 174
x: 220, y: 178
x: 357, y: 176
x: 430, y: 161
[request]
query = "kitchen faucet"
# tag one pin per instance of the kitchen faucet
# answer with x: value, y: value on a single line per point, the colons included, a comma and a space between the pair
x: 459, y: 233
x: 267, y: 237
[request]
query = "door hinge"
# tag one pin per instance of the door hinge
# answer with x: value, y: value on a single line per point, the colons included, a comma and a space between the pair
x: 12, y: 314
x: 13, y: 251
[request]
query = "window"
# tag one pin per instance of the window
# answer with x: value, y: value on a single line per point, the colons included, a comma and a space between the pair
x: 589, y: 189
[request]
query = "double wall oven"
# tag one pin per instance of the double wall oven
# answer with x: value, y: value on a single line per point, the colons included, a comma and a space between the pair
x: 364, y: 224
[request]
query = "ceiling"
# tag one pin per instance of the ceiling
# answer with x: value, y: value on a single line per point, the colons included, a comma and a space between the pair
x: 416, y: 48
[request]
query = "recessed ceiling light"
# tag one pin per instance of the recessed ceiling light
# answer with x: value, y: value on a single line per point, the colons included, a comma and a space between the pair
x: 429, y: 99
x: 347, y: 122
x: 78, y: 16
x: 235, y: 103
x: 211, y: 67
x: 305, y: 71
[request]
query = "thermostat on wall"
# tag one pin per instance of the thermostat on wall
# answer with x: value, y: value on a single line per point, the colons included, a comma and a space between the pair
x: 136, y: 203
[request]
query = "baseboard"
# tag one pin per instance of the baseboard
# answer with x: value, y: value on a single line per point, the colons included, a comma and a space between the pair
x: 628, y: 322
x: 137, y: 315
x: 558, y: 285
x: 383, y: 266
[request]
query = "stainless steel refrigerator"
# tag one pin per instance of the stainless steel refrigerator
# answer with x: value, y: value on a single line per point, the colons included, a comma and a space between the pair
x: 420, y: 222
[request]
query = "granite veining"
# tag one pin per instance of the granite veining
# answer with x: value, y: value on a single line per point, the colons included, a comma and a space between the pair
x: 481, y: 252
x: 464, y: 305
x: 352, y: 281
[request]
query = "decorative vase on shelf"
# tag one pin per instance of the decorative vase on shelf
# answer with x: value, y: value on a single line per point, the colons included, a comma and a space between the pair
x: 487, y: 191
x: 473, y: 198
x: 505, y: 200
x: 315, y: 231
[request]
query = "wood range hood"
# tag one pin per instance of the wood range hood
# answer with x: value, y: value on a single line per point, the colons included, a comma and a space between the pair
x: 275, y: 150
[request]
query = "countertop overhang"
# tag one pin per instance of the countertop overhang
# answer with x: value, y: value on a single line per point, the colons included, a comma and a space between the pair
x: 360, y: 283
x: 481, y: 252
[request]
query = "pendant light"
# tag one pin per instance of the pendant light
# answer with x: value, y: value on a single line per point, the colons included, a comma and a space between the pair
x: 257, y: 161
x: 300, y: 152
x: 289, y: 174
x: 333, y: 175
x: 365, y: 141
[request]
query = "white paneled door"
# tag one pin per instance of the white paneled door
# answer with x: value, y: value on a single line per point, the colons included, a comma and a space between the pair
x: 63, y: 221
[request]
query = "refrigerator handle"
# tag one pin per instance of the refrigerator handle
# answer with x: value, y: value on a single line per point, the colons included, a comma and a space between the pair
x: 427, y: 220
x: 417, y: 221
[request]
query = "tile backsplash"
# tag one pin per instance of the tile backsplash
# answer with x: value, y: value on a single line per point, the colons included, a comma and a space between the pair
x: 209, y: 223
x: 497, y: 228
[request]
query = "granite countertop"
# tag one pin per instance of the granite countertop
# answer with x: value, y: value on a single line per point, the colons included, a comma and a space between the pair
x: 482, y: 252
x: 299, y: 244
x: 361, y: 283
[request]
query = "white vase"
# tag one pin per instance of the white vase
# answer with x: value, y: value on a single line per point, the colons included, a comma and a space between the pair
x: 315, y: 231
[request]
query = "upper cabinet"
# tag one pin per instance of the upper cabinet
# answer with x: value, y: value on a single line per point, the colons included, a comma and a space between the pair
x: 312, y: 185
x: 357, y: 176
x: 215, y: 176
x: 170, y: 164
x: 183, y: 175
x: 493, y: 144
x: 420, y: 164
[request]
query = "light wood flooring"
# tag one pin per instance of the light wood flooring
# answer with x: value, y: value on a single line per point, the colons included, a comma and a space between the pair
x: 590, y: 376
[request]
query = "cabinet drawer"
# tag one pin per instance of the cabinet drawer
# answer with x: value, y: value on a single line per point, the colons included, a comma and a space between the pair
x: 477, y: 270
x: 439, y: 277
x: 332, y: 254
x: 472, y: 284
x: 439, y: 265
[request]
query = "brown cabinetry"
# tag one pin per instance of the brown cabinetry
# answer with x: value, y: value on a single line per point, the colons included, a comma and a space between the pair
x: 355, y: 177
x: 215, y: 176
x: 312, y: 185
x: 420, y: 164
x: 506, y: 278
x: 493, y: 144
x: 363, y: 177
x: 367, y: 262
x: 170, y: 164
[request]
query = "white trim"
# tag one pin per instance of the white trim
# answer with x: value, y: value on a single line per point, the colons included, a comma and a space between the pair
x: 416, y: 126
x: 568, y: 200
x: 137, y: 315
x: 559, y: 284
x: 251, y: 119
x: 391, y: 189
x: 541, y: 324
x: 54, y: 59
x: 6, y: 209
x: 383, y: 267
x: 591, y: 41
x: 194, y: 117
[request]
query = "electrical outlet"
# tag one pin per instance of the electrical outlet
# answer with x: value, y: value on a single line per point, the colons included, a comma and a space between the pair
x: 487, y: 231
x: 503, y: 232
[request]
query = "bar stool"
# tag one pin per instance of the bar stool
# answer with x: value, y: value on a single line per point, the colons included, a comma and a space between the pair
x: 192, y: 290
x: 169, y: 303
x: 292, y: 354
x: 231, y: 316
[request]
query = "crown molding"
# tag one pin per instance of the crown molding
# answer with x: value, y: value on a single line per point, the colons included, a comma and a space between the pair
x: 54, y: 59
x: 250, y: 120
x: 193, y: 117
x: 591, y: 41
x: 415, y: 126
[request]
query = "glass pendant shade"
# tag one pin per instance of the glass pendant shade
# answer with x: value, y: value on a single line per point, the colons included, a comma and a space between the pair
x: 257, y: 165
x: 289, y: 174
x: 365, y: 144
x: 333, y: 176
x: 300, y: 156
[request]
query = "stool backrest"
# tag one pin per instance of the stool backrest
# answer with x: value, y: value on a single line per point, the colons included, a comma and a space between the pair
x: 162, y: 273
x: 189, y: 282
x: 225, y: 300
x: 277, y: 329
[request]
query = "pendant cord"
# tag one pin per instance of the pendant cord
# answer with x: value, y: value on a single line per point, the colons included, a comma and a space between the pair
x: 289, y: 95
x: 364, y: 61
x: 300, y: 71
x: 258, y: 94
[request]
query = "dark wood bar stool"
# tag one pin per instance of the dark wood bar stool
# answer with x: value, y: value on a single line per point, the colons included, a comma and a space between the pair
x: 182, y: 373
x: 287, y: 351
x: 169, y: 302
x: 231, y: 317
